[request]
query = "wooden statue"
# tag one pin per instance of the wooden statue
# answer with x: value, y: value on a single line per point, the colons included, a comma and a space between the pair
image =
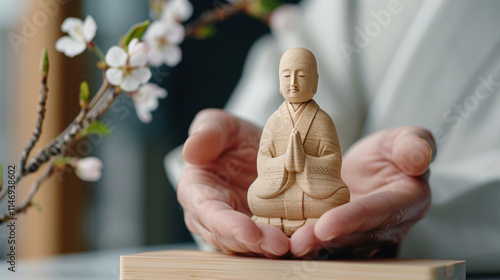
x: 299, y: 158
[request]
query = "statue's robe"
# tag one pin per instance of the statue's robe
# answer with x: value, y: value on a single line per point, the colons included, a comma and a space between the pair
x: 292, y: 188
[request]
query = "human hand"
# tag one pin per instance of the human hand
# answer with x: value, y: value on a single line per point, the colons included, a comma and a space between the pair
x: 221, y: 156
x: 387, y: 175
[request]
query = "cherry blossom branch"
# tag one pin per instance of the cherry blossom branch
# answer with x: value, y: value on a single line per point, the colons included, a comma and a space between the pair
x: 58, y: 145
x: 213, y: 16
x: 63, y: 141
x: 34, y: 188
x: 103, y: 108
x: 104, y: 87
x: 126, y: 69
x: 41, y: 112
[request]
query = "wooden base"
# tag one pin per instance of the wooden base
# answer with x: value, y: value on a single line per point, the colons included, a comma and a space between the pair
x: 180, y: 264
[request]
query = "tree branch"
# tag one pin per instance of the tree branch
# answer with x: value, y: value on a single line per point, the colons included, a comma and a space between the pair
x: 216, y: 15
x: 56, y: 146
x: 34, y: 188
x: 42, y: 108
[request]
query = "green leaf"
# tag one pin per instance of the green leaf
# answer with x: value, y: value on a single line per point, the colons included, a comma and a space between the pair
x: 136, y: 31
x: 84, y: 94
x: 206, y: 31
x: 269, y: 5
x: 37, y: 206
x: 44, y: 63
x: 63, y: 161
x: 97, y: 128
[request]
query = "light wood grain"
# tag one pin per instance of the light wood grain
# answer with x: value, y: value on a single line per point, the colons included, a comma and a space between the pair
x: 180, y: 264
x: 299, y: 158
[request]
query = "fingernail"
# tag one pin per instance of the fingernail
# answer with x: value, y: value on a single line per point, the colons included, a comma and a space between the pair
x: 187, y: 140
x: 196, y: 129
x: 191, y: 135
x: 430, y: 151
x: 327, y: 238
x: 269, y: 249
x: 305, y: 252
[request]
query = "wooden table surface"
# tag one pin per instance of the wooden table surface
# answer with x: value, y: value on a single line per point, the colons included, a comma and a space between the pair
x: 94, y: 265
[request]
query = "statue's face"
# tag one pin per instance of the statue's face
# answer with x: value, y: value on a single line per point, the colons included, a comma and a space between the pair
x: 298, y: 75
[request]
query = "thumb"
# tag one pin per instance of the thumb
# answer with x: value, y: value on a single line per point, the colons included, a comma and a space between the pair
x: 413, y: 150
x: 209, y: 135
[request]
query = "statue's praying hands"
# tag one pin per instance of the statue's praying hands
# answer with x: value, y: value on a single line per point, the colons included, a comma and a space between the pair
x: 295, y: 156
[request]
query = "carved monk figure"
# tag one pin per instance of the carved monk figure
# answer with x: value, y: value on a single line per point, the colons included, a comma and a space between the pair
x: 299, y: 156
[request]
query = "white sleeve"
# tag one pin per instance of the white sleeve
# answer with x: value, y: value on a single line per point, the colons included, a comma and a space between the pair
x: 257, y: 96
x: 445, y: 76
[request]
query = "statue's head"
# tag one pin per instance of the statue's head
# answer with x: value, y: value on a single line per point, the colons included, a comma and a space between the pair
x: 298, y: 75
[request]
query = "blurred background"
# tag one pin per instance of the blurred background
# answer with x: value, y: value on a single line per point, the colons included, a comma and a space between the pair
x: 133, y: 204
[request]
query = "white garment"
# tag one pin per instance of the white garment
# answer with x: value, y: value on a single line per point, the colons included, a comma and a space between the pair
x: 430, y: 58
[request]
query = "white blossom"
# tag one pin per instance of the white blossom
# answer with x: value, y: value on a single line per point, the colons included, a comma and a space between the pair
x: 163, y: 37
x: 88, y: 169
x: 80, y: 34
x: 177, y: 10
x: 128, y: 70
x: 146, y: 100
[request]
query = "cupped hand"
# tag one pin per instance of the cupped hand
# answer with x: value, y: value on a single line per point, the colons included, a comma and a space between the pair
x: 386, y: 173
x: 220, y: 156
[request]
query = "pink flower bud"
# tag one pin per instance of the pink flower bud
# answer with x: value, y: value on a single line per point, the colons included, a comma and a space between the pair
x: 88, y: 169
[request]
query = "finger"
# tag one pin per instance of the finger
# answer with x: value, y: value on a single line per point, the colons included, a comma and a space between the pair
x: 304, y: 243
x: 190, y: 223
x: 237, y: 227
x: 388, y: 154
x: 209, y: 134
x: 272, y: 241
x: 211, y: 207
x: 412, y: 150
x: 212, y: 132
x: 213, y: 215
x: 228, y: 241
x: 222, y: 243
x: 408, y: 200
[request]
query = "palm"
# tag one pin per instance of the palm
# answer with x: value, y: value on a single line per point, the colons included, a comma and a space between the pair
x: 386, y: 174
x: 221, y: 152
x: 227, y: 178
x: 372, y: 168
